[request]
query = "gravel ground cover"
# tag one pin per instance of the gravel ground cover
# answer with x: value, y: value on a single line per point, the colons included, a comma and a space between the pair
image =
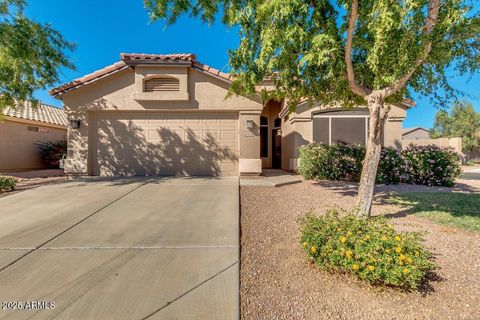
x: 26, y: 184
x: 277, y: 281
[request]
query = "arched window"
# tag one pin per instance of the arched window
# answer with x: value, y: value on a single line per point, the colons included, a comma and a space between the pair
x: 156, y: 84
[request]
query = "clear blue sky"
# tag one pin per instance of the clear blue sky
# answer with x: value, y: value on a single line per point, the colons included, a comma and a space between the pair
x: 103, y: 29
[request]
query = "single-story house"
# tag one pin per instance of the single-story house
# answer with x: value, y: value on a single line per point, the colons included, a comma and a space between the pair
x: 415, y: 133
x: 21, y: 128
x: 154, y: 114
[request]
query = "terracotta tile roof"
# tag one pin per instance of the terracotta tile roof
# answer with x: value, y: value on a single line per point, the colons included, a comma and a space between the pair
x: 132, y: 58
x: 42, y: 113
x: 111, y: 69
x: 204, y: 68
x: 157, y: 57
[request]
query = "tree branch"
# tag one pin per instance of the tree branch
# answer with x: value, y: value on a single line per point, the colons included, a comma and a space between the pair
x: 430, y: 22
x: 356, y: 88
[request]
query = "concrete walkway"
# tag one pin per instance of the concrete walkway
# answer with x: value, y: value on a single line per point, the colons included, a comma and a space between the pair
x: 471, y: 174
x: 123, y: 249
x: 271, y: 178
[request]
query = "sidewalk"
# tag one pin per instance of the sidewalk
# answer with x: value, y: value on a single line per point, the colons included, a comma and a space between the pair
x: 271, y: 178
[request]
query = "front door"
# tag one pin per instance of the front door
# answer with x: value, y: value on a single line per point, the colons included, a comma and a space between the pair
x: 276, y: 148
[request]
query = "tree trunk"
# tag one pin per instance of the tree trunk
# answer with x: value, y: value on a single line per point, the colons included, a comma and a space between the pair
x: 378, y: 115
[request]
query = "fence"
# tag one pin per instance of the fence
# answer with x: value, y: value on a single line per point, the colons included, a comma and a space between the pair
x: 455, y: 143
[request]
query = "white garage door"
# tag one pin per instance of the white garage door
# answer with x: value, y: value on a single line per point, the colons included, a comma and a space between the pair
x: 162, y: 143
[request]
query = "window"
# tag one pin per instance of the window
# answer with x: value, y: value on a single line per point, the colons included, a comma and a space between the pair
x: 347, y: 127
x: 277, y: 123
x: 348, y: 130
x: 33, y: 129
x: 263, y: 137
x: 161, y: 84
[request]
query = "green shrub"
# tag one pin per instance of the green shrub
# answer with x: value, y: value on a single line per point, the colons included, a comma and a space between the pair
x: 7, y: 184
x: 431, y: 165
x: 370, y: 248
x: 52, y: 151
x: 390, y: 167
x: 336, y: 162
x: 312, y: 159
x: 344, y: 162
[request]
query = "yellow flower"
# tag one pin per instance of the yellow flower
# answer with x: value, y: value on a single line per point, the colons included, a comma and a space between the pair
x: 402, y: 257
x: 355, y: 266
x: 349, y: 233
x: 371, y: 268
x: 398, y: 249
x: 406, y: 270
x: 401, y: 263
x: 305, y: 244
x: 367, y: 237
x: 349, y: 252
x: 313, y: 249
x: 384, y: 238
x: 409, y: 260
x: 343, y: 239
x: 417, y: 253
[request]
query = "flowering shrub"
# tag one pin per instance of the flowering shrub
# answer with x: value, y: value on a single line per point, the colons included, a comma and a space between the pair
x: 431, y: 165
x: 370, y: 249
x: 390, y: 167
x: 52, y: 151
x: 336, y: 162
x: 344, y: 162
x: 7, y: 184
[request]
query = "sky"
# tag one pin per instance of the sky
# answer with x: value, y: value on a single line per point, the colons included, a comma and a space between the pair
x: 103, y: 29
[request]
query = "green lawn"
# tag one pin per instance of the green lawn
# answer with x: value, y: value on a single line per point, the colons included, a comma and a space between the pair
x: 456, y: 209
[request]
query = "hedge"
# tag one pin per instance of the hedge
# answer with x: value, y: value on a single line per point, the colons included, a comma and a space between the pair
x: 431, y: 165
x: 428, y: 165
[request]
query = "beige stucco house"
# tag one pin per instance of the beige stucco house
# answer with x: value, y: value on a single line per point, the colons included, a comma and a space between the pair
x: 21, y: 128
x: 415, y: 133
x: 169, y: 115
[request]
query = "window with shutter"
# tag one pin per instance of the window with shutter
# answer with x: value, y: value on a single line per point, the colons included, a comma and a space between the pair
x: 161, y: 84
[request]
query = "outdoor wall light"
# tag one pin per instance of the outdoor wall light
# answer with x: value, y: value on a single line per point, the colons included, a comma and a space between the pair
x: 249, y: 124
x: 75, y: 124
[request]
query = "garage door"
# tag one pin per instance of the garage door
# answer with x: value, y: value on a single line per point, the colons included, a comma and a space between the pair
x: 162, y: 143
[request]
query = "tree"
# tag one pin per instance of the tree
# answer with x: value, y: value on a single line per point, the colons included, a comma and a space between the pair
x: 30, y: 55
x: 368, y: 52
x: 462, y: 121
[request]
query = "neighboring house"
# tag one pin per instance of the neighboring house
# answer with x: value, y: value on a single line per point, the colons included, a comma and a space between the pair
x: 415, y: 133
x: 22, y: 128
x: 169, y: 115
x: 421, y: 137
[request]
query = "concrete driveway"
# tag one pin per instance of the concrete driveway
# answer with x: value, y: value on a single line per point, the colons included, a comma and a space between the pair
x: 123, y: 249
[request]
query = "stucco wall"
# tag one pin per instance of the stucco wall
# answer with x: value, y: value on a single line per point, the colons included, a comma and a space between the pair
x: 17, y: 144
x: 298, y: 131
x: 455, y: 143
x: 116, y: 93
